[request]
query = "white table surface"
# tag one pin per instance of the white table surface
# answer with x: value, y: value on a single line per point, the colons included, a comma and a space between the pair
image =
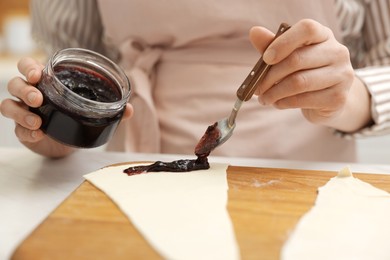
x: 31, y: 186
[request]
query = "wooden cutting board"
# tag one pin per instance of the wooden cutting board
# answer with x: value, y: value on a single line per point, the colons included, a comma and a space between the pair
x: 264, y: 205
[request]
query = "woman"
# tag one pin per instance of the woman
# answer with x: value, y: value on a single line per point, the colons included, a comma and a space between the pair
x: 187, y: 60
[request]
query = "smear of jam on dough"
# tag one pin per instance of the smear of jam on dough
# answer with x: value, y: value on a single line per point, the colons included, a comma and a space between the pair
x: 202, y: 150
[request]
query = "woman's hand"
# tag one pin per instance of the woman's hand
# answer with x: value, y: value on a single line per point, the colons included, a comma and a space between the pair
x: 27, y: 124
x: 312, y: 71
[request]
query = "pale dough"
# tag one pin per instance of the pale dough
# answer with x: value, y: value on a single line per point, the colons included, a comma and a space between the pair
x: 181, y: 215
x: 350, y: 220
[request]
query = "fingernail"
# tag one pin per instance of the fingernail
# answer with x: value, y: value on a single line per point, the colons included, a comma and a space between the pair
x: 30, y: 120
x: 30, y: 74
x: 269, y: 55
x: 34, y: 134
x: 31, y: 97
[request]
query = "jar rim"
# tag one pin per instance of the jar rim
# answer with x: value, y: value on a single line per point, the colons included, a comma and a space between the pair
x: 79, y: 100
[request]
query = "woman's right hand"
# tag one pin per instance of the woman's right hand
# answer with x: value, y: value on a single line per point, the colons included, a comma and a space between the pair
x: 27, y: 124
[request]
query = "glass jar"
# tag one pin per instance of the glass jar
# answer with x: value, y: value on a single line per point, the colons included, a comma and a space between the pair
x: 85, y: 95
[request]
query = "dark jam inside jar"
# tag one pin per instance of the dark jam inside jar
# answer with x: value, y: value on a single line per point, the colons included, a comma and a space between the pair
x: 68, y: 122
x: 88, y: 84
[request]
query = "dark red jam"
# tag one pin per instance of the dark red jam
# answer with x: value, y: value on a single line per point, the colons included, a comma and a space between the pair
x: 185, y: 165
x: 66, y: 123
x: 202, y: 150
x: 208, y: 141
x: 88, y: 84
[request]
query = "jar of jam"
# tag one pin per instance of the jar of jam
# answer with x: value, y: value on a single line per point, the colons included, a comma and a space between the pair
x: 85, y: 95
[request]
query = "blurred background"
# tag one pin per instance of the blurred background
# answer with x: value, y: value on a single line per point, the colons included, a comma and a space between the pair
x: 16, y: 42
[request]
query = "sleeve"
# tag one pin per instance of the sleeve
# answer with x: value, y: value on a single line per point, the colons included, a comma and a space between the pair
x: 366, y: 31
x: 60, y: 24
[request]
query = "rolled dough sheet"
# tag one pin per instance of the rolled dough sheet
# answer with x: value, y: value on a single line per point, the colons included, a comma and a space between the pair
x: 181, y: 215
x: 350, y: 220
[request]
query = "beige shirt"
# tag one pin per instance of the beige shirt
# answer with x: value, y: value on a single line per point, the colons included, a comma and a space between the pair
x: 186, y: 60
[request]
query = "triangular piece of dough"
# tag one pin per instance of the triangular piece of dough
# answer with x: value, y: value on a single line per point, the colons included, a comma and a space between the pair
x: 350, y: 220
x: 182, y: 215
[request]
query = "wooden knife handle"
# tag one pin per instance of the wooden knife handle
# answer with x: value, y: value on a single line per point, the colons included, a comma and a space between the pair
x: 248, y: 87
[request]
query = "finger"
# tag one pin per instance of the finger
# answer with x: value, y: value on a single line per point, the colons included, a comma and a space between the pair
x: 31, y: 69
x: 30, y: 95
x: 303, y: 33
x: 15, y: 110
x: 330, y: 99
x: 301, y: 82
x: 28, y: 136
x: 260, y: 37
x: 300, y: 59
x: 129, y: 111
